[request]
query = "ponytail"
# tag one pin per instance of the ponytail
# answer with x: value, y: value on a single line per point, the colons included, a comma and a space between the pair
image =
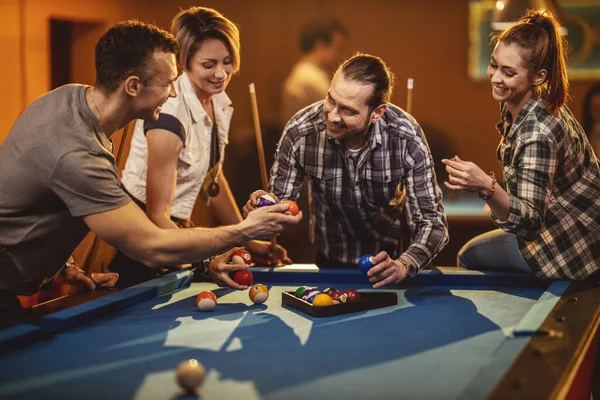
x: 538, y: 33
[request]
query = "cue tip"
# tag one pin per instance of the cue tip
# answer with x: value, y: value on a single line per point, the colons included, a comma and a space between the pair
x: 410, y: 83
x: 251, y: 86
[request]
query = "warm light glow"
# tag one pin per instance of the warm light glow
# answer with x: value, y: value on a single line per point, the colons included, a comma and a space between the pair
x: 500, y: 5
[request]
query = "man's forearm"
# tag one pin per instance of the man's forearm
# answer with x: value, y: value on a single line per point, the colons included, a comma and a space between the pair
x: 128, y: 229
x: 180, y: 246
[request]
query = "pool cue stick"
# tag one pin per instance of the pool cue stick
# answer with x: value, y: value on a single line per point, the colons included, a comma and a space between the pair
x: 258, y: 134
x: 261, y: 151
x: 409, y: 89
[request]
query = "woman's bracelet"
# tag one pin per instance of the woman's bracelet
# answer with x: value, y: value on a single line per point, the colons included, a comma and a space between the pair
x: 490, y: 192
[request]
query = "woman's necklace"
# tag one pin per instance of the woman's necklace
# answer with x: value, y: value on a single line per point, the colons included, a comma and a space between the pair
x: 213, y: 188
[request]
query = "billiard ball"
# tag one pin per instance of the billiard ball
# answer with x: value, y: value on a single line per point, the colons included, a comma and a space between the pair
x: 307, y: 292
x: 298, y: 293
x: 352, y: 295
x: 265, y: 200
x: 365, y: 263
x: 311, y: 296
x: 243, y: 277
x: 241, y: 256
x: 258, y: 293
x: 206, y: 300
x: 190, y: 375
x: 322, y: 300
x: 329, y: 290
x: 293, y: 207
x: 338, y: 297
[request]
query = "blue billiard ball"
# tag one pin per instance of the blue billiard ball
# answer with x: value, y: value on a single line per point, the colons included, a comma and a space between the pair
x: 311, y: 296
x: 365, y: 263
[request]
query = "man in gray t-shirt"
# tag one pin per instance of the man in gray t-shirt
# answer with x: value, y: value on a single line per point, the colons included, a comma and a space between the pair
x: 58, y: 178
x: 57, y: 167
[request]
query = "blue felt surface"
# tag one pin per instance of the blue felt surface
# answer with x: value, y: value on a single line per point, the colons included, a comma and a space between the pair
x: 18, y: 336
x: 530, y: 324
x: 433, y: 344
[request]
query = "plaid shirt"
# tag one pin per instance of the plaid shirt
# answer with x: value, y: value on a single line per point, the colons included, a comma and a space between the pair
x: 553, y: 181
x: 357, y: 201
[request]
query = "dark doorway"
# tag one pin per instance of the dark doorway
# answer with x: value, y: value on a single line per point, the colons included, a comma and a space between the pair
x: 72, y: 46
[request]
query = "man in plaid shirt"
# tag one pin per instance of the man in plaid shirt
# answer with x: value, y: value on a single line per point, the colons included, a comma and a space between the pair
x: 368, y: 163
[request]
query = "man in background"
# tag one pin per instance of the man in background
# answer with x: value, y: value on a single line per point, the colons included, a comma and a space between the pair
x: 322, y: 44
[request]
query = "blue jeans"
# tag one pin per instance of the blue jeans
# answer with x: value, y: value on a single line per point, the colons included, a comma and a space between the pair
x: 493, y: 251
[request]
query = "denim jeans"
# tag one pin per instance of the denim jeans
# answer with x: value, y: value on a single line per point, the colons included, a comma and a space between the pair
x: 492, y: 251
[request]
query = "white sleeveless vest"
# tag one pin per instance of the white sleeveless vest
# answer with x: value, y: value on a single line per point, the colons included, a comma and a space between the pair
x: 194, y: 159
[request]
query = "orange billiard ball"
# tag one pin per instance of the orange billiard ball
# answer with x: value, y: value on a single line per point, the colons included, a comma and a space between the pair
x: 293, y: 207
x: 258, y: 293
x: 206, y: 300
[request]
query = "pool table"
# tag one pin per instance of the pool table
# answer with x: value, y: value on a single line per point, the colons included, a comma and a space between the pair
x: 454, y: 334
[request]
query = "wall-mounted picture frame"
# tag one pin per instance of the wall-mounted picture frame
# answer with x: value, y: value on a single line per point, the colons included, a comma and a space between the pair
x: 582, y: 19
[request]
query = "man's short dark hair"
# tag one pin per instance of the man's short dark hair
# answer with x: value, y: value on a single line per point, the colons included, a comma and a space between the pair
x: 320, y: 30
x: 126, y: 49
x: 367, y: 69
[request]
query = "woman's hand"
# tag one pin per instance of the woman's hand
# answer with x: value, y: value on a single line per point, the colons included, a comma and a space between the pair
x: 465, y: 175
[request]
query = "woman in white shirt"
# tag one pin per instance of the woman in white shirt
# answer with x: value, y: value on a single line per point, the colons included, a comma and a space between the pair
x: 179, y: 156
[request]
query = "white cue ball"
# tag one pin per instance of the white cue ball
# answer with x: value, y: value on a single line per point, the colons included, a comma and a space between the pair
x: 190, y: 375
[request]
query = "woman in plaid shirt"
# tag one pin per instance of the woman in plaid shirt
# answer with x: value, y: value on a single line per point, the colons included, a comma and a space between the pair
x: 549, y: 214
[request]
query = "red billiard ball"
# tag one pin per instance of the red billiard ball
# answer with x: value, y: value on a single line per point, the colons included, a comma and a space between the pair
x: 352, y: 295
x: 241, y: 256
x: 243, y: 277
x: 329, y: 290
x: 293, y: 207
x: 338, y: 297
x: 206, y: 300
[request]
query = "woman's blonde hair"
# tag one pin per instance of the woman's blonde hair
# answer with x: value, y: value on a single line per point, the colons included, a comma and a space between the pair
x: 195, y: 24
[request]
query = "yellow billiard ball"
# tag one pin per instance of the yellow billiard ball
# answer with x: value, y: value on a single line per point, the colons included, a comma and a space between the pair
x: 322, y: 300
x: 258, y: 293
